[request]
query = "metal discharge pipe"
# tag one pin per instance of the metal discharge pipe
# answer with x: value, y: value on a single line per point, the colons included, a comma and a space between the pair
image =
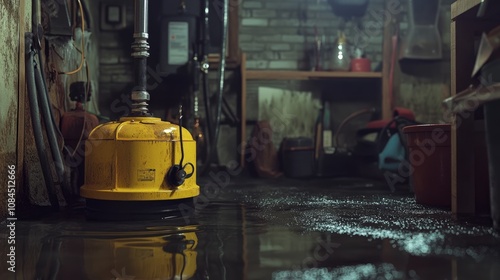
x: 140, y: 48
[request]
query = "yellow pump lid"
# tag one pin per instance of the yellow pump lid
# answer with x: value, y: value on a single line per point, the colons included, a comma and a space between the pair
x: 139, y: 128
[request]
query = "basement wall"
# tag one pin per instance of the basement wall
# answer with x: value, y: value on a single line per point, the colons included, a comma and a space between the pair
x: 10, y: 17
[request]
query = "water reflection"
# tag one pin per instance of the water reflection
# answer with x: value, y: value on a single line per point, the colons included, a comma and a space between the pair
x: 210, y: 245
x: 156, y: 252
x: 229, y: 240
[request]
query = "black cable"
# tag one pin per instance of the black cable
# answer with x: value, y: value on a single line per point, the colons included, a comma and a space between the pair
x: 44, y: 79
x: 183, y: 264
x: 205, y: 87
x: 188, y: 175
x: 180, y: 136
x: 222, y: 67
x: 208, y: 113
x: 214, y: 134
x: 229, y: 112
x: 206, y: 90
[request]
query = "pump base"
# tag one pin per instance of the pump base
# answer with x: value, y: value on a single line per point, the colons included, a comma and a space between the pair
x: 118, y: 210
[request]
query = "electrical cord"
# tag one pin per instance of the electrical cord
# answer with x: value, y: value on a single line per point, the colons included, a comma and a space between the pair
x: 87, y: 73
x: 347, y: 120
x: 206, y: 97
x: 182, y: 148
x: 214, y: 129
x: 205, y: 87
x: 180, y: 135
x: 87, y: 91
x: 82, y: 52
x: 177, y: 173
x: 183, y: 265
x: 222, y: 67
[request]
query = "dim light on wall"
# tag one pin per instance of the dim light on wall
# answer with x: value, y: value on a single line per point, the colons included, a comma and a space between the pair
x: 113, y: 15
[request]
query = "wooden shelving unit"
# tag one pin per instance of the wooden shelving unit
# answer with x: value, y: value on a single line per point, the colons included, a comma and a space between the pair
x: 465, y: 27
x: 306, y: 75
x: 298, y: 75
x: 314, y: 75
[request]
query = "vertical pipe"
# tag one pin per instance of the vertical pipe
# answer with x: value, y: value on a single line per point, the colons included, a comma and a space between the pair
x: 141, y: 16
x: 37, y: 13
x: 141, y: 31
x: 140, y: 48
x: 492, y: 118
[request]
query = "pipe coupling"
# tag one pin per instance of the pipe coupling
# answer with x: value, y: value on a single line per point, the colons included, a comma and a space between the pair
x: 140, y: 95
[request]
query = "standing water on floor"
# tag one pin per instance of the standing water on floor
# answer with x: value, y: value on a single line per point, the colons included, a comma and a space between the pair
x: 266, y: 230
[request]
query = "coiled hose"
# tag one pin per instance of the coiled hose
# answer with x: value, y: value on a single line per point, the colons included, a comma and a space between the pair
x: 49, y: 124
x: 36, y: 121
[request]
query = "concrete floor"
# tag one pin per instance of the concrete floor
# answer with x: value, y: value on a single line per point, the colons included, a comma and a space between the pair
x: 244, y: 228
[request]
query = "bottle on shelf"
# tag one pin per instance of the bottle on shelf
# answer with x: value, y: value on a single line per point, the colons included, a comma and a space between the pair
x: 340, y: 54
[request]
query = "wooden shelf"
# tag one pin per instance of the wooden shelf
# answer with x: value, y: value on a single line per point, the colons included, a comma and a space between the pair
x: 379, y: 77
x: 468, y: 9
x: 462, y: 6
x: 306, y: 75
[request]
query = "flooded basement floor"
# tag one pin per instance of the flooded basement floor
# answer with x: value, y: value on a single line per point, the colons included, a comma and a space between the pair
x: 265, y: 229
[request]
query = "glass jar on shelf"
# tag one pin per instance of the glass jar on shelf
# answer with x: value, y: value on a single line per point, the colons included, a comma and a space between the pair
x: 340, y: 60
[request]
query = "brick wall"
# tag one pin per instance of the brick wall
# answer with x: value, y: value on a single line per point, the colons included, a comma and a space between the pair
x: 116, y: 71
x: 279, y: 35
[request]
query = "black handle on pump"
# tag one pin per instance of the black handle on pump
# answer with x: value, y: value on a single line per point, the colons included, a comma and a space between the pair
x: 177, y: 174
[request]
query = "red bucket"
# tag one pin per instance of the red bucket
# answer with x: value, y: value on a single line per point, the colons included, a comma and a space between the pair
x: 429, y: 148
x: 429, y: 153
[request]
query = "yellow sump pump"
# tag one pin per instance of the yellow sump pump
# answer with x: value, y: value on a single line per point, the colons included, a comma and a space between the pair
x: 139, y: 165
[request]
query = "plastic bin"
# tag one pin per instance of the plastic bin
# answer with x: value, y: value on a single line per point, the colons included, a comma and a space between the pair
x: 298, y: 157
x: 429, y: 154
x: 432, y: 172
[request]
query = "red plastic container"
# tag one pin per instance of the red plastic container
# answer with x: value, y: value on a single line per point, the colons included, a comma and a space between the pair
x: 361, y: 65
x: 429, y: 153
x: 429, y: 148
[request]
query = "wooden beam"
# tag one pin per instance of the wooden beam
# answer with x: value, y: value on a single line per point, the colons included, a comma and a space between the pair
x: 386, y: 68
x: 21, y: 97
x: 462, y: 154
x: 233, y: 54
